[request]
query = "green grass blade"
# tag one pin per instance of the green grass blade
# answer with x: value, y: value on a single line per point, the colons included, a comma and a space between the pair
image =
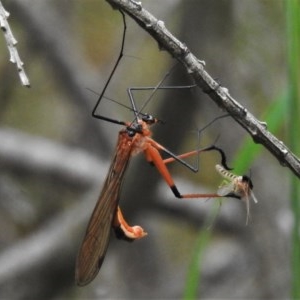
x: 293, y: 43
x: 193, y: 278
x: 249, y: 151
x: 243, y: 160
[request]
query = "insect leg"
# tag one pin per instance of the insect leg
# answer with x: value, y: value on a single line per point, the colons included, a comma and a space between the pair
x: 153, y: 89
x: 173, y: 157
x: 153, y: 156
x: 124, y: 231
x: 94, y: 114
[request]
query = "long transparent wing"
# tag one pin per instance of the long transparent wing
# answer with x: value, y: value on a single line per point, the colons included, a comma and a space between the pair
x: 95, y: 242
x: 253, y: 197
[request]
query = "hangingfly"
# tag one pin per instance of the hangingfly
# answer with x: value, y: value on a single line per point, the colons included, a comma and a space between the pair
x: 239, y: 187
x: 135, y: 137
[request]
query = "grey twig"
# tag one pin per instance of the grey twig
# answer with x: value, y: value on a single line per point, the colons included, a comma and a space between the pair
x: 220, y: 95
x: 11, y: 45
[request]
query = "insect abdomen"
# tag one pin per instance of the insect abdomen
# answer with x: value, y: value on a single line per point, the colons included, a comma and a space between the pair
x: 225, y: 173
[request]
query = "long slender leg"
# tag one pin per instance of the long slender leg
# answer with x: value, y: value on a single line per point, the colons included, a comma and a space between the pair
x: 130, y: 233
x: 153, y: 156
x: 174, y: 157
x: 179, y: 158
x: 198, y: 151
x: 94, y: 114
x: 159, y: 86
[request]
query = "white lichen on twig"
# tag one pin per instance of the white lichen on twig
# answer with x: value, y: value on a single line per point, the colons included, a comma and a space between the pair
x: 11, y: 45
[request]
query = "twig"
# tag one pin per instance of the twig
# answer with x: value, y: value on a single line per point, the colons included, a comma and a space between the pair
x: 11, y: 43
x: 220, y: 95
x: 49, y: 30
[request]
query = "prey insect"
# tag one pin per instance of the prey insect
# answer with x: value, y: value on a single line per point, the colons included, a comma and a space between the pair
x: 135, y: 137
x: 239, y: 187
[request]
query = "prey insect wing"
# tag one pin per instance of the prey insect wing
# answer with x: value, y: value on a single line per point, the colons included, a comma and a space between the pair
x: 95, y: 242
x: 241, y: 186
x: 253, y: 197
x: 225, y: 189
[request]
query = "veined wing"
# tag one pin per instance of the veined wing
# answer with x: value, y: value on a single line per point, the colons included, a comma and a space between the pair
x: 95, y: 242
x: 227, y: 188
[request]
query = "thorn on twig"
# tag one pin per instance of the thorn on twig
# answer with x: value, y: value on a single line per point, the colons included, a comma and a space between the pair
x: 11, y: 43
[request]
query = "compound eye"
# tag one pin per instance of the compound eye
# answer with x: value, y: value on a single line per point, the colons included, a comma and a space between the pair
x: 133, y: 129
x: 248, y: 180
x: 148, y: 119
x: 131, y: 132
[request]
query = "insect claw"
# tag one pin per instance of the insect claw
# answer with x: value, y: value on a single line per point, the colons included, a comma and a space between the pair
x: 129, y: 234
x: 124, y: 231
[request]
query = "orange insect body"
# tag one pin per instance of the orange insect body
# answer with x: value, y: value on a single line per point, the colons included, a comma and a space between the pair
x: 106, y: 213
x: 135, y: 138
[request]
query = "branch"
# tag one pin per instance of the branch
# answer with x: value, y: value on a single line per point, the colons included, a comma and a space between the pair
x: 50, y: 255
x: 11, y: 43
x: 41, y: 157
x: 220, y: 95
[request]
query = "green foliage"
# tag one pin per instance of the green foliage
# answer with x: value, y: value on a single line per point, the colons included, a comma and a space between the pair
x: 249, y: 150
x: 194, y: 270
x: 293, y: 41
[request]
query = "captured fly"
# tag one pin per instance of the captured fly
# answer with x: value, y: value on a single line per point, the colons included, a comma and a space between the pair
x: 236, y: 186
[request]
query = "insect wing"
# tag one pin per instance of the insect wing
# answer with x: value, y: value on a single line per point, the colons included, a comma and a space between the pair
x: 253, y: 197
x: 226, y: 189
x: 95, y: 242
x: 94, y: 245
